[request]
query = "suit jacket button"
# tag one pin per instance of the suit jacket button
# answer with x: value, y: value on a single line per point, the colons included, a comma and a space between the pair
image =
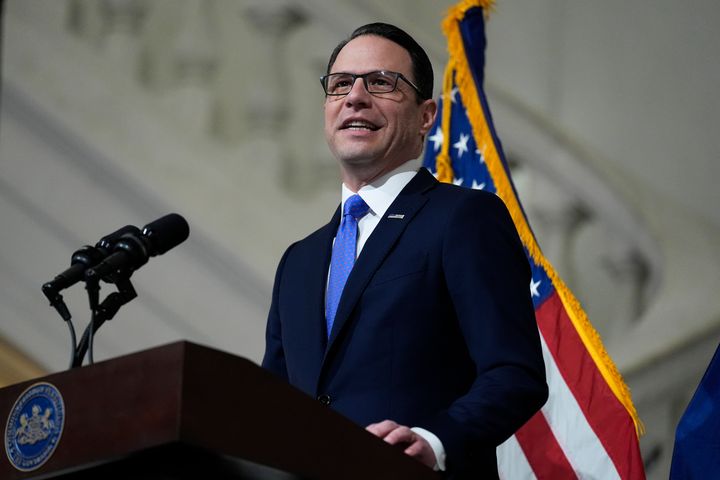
x: 324, y: 399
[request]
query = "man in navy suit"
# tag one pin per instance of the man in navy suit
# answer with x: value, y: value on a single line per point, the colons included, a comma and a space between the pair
x: 431, y: 343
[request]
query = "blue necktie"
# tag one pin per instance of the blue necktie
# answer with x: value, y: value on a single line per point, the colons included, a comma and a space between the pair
x: 343, y: 255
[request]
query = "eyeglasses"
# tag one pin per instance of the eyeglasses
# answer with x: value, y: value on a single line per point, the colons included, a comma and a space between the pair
x: 383, y: 81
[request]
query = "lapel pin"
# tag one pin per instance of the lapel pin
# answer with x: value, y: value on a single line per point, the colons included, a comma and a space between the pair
x: 396, y: 216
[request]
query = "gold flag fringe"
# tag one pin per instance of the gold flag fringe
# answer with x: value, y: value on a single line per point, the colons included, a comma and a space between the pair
x: 443, y: 167
x: 459, y: 68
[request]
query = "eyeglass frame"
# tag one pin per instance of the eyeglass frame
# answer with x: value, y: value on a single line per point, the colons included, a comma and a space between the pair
x: 364, y: 76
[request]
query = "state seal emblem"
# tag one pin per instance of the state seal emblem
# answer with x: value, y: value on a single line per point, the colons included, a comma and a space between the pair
x: 34, y: 426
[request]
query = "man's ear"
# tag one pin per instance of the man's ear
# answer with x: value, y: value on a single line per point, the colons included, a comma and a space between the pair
x: 428, y: 110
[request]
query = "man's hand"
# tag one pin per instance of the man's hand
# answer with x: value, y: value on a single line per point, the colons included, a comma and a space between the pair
x: 394, y: 434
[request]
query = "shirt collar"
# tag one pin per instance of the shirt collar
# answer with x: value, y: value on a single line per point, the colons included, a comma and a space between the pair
x: 380, y: 193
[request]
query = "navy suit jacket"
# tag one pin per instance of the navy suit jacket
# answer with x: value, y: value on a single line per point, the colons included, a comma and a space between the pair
x: 435, y: 327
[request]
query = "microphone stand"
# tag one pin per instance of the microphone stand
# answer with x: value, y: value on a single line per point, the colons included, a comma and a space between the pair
x: 92, y: 285
x: 57, y: 302
x: 101, y: 313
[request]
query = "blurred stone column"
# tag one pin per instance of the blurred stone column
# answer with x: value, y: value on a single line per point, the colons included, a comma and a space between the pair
x: 85, y: 20
x: 112, y: 26
x: 267, y: 104
x: 122, y: 20
x: 195, y: 59
x: 179, y: 59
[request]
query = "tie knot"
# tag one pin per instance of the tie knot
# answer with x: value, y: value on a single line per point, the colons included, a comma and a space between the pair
x: 356, y: 207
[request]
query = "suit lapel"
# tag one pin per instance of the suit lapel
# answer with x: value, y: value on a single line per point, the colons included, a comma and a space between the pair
x: 316, y: 274
x: 401, y: 212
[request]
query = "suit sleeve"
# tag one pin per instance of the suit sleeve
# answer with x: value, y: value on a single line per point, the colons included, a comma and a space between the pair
x: 274, y: 358
x: 488, y: 277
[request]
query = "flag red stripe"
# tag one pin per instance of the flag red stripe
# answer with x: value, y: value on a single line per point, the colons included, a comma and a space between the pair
x: 603, y: 411
x: 544, y: 454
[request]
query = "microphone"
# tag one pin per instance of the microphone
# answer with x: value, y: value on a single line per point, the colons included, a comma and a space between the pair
x: 132, y: 250
x: 165, y: 233
x: 83, y: 259
x: 107, y: 243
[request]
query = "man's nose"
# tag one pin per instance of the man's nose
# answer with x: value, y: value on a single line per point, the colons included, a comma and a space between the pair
x: 358, y: 93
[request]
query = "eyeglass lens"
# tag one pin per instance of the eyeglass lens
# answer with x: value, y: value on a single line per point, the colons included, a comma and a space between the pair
x: 375, y: 82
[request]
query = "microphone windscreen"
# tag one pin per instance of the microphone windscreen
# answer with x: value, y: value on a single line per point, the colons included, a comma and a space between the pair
x: 109, y: 241
x: 165, y: 233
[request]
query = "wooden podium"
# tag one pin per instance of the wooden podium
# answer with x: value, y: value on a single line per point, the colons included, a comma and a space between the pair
x: 184, y: 411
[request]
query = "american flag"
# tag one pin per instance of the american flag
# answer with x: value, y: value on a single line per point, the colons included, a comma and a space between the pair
x: 589, y: 427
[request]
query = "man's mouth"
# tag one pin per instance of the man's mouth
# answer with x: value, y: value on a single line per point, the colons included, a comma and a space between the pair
x: 359, y: 125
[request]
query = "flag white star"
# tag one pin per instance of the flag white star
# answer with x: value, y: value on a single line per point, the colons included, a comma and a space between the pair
x: 479, y: 153
x: 453, y: 94
x: 461, y: 144
x: 437, y: 139
x: 534, y: 288
x: 478, y: 186
x: 457, y: 181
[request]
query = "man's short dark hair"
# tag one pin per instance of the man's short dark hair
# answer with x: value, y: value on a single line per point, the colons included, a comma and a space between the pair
x: 422, y: 68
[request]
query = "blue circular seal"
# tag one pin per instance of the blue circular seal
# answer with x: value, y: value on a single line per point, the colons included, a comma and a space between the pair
x: 34, y: 426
